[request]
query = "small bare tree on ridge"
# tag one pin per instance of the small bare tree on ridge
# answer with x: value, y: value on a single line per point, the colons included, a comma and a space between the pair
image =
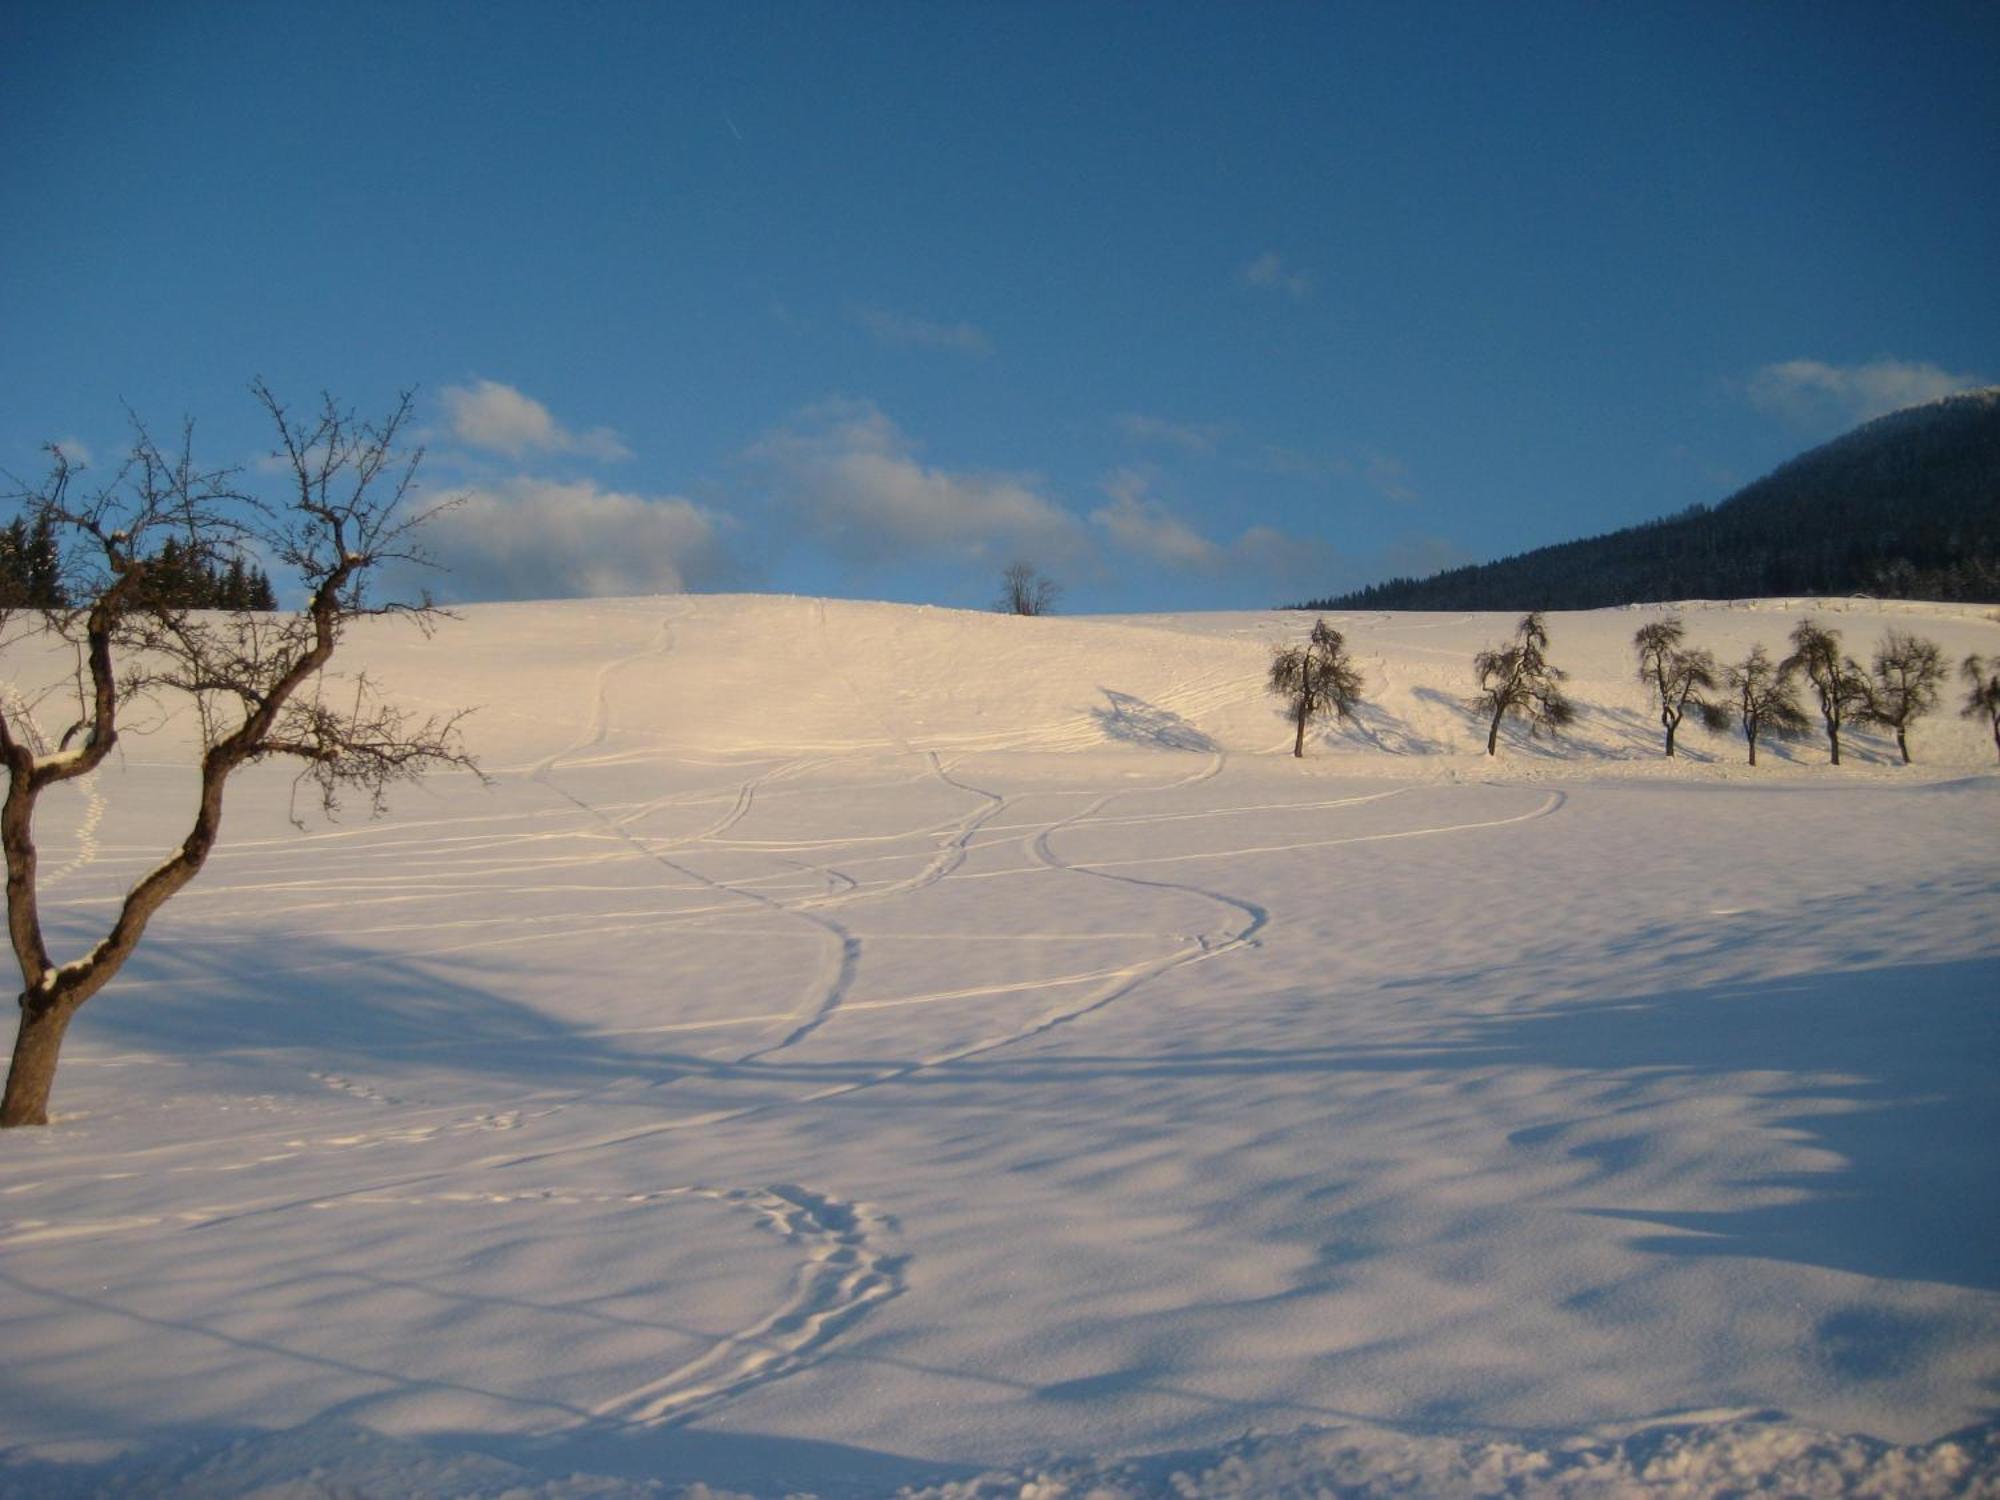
x: 1763, y: 700
x: 1678, y: 676
x: 1982, y: 692
x: 1026, y: 590
x: 1903, y: 687
x: 1519, y: 679
x: 1839, y: 684
x: 1315, y: 680
x: 256, y: 681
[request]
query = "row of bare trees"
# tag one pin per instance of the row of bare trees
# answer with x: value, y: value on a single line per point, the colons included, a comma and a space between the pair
x: 1761, y: 697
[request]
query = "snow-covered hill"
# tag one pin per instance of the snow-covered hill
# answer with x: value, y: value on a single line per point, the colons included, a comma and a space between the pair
x: 852, y: 1047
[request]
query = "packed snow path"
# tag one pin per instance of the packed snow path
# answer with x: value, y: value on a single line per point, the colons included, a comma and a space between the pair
x: 854, y: 1045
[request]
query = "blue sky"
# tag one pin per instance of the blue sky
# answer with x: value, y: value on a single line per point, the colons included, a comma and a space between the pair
x: 1193, y: 306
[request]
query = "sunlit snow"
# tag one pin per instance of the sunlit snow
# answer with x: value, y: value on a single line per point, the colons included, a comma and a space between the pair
x: 851, y: 1047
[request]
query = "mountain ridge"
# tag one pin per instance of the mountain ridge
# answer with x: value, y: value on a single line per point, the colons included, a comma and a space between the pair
x: 1906, y: 505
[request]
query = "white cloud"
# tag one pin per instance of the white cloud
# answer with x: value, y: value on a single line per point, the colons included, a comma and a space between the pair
x: 501, y: 419
x: 851, y: 478
x: 1190, y: 437
x: 1135, y: 522
x: 528, y: 538
x: 902, y: 331
x: 1810, y: 392
x: 1140, y: 524
x: 1270, y: 273
x: 75, y: 450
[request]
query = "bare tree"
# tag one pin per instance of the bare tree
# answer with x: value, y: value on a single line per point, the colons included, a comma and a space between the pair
x: 1519, y: 679
x: 1763, y: 700
x: 1839, y: 684
x: 1982, y: 694
x: 256, y: 682
x: 1026, y: 590
x: 1677, y: 676
x: 1908, y: 671
x: 1316, y: 679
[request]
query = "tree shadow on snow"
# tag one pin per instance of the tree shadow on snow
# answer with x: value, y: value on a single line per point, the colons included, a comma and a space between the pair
x: 1889, y: 1069
x: 1134, y: 721
x: 339, y: 1008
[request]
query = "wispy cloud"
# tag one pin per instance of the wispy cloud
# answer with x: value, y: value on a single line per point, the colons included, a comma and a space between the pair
x: 75, y: 450
x: 851, y: 479
x: 501, y: 419
x: 1137, y: 522
x: 1268, y: 272
x: 899, y: 330
x: 1388, y: 476
x: 1189, y: 437
x: 1384, y: 473
x: 1809, y: 391
x: 529, y: 538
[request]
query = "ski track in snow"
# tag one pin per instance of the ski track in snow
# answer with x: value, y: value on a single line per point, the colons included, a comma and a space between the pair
x: 844, y: 1277
x: 844, y: 1272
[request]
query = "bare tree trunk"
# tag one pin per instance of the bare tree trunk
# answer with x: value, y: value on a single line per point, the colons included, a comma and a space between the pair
x: 1903, y: 743
x: 1833, y: 739
x: 1493, y: 730
x: 1299, y: 741
x: 33, y: 1073
x: 1670, y: 740
x: 1753, y: 748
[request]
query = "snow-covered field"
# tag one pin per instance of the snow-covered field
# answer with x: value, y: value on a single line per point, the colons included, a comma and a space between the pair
x: 852, y: 1047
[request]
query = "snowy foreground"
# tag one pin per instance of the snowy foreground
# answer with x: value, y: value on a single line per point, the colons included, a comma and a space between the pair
x: 853, y: 1048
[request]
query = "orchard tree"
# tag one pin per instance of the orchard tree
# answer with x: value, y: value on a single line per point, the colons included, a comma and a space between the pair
x: 1763, y: 700
x: 1026, y: 590
x: 1315, y: 680
x: 1677, y: 677
x: 1982, y: 692
x: 1903, y: 687
x: 1519, y: 679
x: 1839, y: 684
x: 256, y: 682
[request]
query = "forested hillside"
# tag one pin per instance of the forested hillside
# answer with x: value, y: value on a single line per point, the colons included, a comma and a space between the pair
x: 1906, y: 506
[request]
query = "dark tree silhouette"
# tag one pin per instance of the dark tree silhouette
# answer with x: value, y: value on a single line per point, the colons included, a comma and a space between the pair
x: 1026, y: 590
x: 1839, y: 684
x: 1901, y: 507
x: 252, y: 679
x: 1519, y: 679
x: 1315, y: 680
x: 1903, y: 687
x: 1982, y: 692
x: 30, y: 565
x: 1678, y: 677
x: 1763, y: 700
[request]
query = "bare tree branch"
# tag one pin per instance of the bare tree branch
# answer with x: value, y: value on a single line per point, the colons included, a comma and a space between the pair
x: 257, y: 682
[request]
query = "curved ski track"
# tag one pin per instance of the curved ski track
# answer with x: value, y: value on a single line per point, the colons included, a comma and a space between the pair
x: 845, y: 1273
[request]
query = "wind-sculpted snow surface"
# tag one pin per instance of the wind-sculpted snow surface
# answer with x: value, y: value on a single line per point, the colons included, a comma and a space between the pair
x: 855, y: 1049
